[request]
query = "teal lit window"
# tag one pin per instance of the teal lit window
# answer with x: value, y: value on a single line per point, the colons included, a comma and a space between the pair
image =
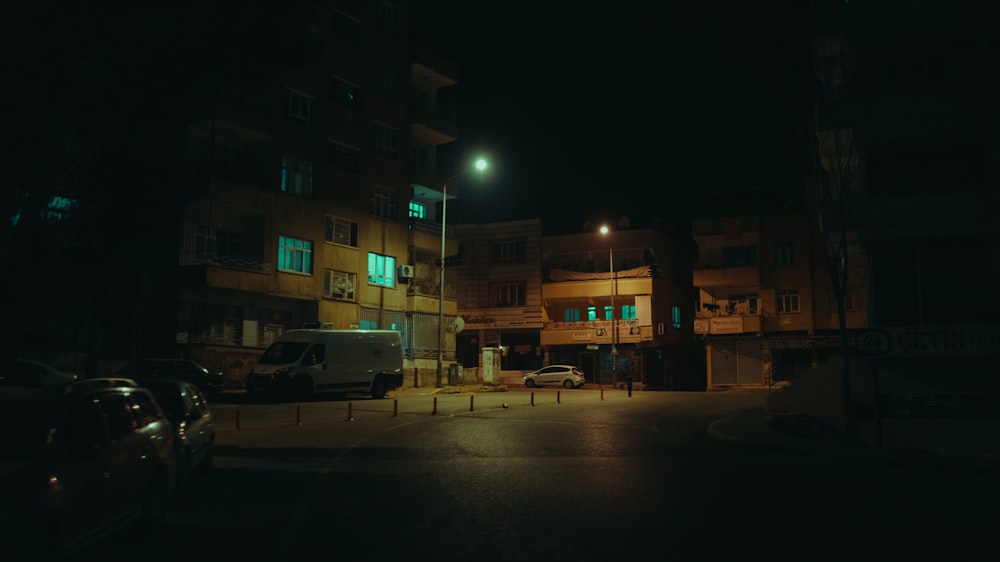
x: 609, y: 312
x: 675, y: 316
x: 294, y: 255
x: 572, y: 314
x: 591, y: 313
x: 368, y: 325
x: 418, y: 210
x: 628, y: 312
x: 381, y: 270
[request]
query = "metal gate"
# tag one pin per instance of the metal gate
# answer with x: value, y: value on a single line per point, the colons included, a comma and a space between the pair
x: 736, y: 361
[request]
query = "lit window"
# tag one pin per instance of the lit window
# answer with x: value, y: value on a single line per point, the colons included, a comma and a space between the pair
x: 591, y: 313
x: 675, y: 316
x: 417, y: 210
x: 381, y: 270
x: 572, y: 314
x: 609, y: 312
x: 294, y: 255
x: 628, y: 312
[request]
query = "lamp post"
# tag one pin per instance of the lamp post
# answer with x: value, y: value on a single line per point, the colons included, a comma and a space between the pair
x: 614, y: 293
x: 480, y: 166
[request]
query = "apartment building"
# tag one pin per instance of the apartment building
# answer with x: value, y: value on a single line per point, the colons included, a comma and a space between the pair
x: 313, y: 199
x: 766, y: 310
x: 911, y: 90
x: 499, y: 297
x: 620, y: 305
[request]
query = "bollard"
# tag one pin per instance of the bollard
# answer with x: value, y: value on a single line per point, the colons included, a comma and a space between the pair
x: 471, y: 399
x: 602, y: 394
x: 350, y: 406
x: 628, y: 382
x: 395, y: 407
x: 532, y: 398
x: 298, y: 415
x: 237, y: 419
x: 435, y: 410
x: 558, y: 401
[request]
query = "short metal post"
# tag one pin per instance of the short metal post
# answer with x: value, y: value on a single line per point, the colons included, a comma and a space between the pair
x: 298, y: 415
x: 471, y: 398
x: 395, y: 407
x: 558, y: 401
x: 532, y: 398
x: 435, y: 410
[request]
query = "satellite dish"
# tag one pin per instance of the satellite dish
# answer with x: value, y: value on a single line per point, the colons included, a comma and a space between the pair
x: 457, y: 325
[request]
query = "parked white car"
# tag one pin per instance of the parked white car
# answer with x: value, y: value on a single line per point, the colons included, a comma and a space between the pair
x: 568, y: 376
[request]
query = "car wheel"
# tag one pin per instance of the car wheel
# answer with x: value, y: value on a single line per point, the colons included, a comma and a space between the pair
x: 378, y: 389
x: 569, y: 384
x: 530, y: 383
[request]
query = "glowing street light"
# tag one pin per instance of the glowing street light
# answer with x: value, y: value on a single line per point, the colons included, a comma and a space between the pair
x: 606, y: 232
x: 480, y: 165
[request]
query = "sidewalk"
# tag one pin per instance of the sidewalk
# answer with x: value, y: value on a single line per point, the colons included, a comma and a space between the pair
x: 790, y: 434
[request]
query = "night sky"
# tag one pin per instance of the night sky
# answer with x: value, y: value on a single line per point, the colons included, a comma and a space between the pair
x: 591, y: 113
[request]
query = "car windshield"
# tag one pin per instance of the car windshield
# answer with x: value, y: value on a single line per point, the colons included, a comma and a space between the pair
x: 281, y: 353
x: 24, y: 425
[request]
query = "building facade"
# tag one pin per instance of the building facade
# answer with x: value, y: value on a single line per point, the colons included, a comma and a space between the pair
x: 766, y: 305
x: 314, y: 199
x: 499, y: 295
x: 908, y: 127
x: 620, y: 306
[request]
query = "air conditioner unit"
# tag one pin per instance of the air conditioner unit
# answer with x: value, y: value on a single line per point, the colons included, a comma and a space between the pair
x: 405, y: 271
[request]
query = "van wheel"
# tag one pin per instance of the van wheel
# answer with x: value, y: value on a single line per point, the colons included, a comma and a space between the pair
x: 302, y: 388
x: 378, y: 389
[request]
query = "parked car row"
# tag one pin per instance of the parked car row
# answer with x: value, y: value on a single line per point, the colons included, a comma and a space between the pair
x: 84, y: 459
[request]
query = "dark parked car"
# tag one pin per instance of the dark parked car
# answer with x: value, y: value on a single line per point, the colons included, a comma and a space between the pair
x: 86, y: 385
x: 210, y: 382
x: 188, y: 411
x: 78, y: 467
x: 28, y: 372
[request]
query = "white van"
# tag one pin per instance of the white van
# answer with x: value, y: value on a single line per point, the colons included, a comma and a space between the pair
x: 303, y: 362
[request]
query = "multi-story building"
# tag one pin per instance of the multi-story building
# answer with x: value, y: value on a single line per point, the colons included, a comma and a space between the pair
x: 908, y: 124
x: 620, y: 305
x: 766, y: 307
x: 313, y: 199
x: 500, y: 292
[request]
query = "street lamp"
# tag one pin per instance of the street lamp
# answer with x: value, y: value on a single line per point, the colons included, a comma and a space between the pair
x: 614, y: 293
x: 479, y: 166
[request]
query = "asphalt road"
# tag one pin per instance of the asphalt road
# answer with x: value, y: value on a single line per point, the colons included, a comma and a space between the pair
x: 555, y: 475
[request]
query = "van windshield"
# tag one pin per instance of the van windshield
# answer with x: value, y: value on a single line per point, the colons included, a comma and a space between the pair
x: 281, y: 353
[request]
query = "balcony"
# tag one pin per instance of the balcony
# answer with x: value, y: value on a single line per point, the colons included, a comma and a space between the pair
x: 598, y: 333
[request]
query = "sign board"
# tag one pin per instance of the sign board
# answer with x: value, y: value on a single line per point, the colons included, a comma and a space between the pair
x: 928, y: 341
